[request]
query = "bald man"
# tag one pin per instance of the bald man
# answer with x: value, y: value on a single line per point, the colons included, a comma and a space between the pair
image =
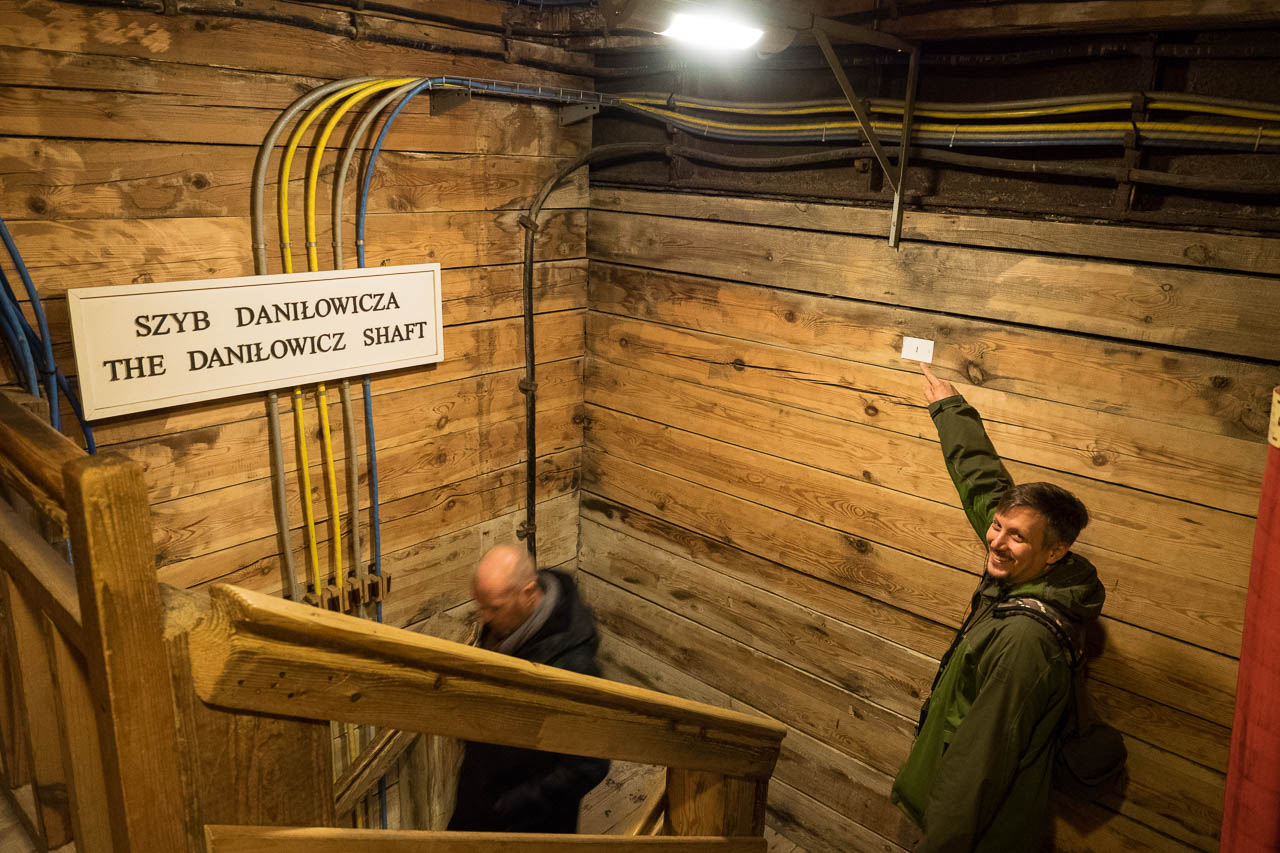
x: 539, y: 617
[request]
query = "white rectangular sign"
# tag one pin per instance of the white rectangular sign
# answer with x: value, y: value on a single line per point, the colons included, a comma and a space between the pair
x: 148, y: 346
x: 918, y: 349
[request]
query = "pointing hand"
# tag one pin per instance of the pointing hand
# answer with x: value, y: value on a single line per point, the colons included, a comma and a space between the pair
x: 934, y: 388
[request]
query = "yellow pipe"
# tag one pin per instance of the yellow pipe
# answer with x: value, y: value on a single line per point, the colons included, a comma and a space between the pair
x: 286, y: 164
x: 313, y: 264
x: 882, y: 126
x: 1062, y: 109
x: 322, y: 401
x: 313, y: 176
x: 977, y: 129
x: 959, y: 113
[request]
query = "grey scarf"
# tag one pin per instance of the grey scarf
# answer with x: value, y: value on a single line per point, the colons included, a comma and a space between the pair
x: 538, y: 618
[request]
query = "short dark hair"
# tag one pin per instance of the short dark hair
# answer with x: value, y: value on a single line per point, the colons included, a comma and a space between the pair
x: 1064, y: 514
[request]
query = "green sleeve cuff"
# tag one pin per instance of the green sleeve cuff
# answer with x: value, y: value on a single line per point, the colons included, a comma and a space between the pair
x: 953, y: 402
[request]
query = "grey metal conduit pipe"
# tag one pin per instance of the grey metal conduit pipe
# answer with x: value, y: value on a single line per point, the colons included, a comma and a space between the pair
x: 695, y: 102
x: 348, y: 421
x: 353, y: 482
x: 528, y: 385
x: 348, y: 154
x: 977, y: 161
x: 290, y: 585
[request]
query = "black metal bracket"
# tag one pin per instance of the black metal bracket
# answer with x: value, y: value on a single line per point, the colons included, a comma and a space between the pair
x: 443, y: 100
x: 895, y: 177
x: 574, y: 113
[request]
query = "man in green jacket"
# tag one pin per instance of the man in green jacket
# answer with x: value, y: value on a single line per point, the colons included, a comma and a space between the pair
x: 979, y: 774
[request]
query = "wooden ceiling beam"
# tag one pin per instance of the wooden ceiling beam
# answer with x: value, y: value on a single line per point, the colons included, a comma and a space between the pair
x: 1029, y: 18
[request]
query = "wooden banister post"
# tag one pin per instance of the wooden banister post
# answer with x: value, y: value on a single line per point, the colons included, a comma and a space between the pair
x: 702, y: 803
x: 110, y: 524
x: 81, y: 753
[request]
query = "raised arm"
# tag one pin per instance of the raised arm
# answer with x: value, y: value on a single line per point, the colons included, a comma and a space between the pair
x: 980, y: 477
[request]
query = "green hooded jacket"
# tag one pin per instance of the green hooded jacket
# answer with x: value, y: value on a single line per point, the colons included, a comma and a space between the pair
x: 979, y: 774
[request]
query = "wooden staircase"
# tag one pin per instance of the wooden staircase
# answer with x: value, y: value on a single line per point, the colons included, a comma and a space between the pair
x: 139, y: 717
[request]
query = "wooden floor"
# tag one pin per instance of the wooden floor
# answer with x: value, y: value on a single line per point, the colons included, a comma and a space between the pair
x: 616, y: 803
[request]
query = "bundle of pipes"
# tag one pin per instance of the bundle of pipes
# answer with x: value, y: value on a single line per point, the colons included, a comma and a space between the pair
x: 31, y: 348
x: 981, y: 124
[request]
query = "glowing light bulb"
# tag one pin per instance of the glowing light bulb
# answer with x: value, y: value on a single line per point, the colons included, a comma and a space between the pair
x: 712, y: 31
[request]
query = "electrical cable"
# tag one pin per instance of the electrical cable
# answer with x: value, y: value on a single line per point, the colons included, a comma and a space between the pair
x: 331, y: 478
x: 529, y: 385
x: 1041, y: 132
x: 286, y: 164
x: 353, y: 482
x: 74, y: 399
x: 17, y: 339
x: 49, y: 370
x: 23, y: 341
x: 1118, y: 101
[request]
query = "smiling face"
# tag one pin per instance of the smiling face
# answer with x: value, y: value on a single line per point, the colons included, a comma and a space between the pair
x: 1017, y: 547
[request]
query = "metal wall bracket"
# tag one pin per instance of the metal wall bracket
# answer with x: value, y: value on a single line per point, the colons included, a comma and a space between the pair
x: 574, y: 113
x: 904, y: 148
x: 896, y: 177
x: 859, y: 110
x: 443, y: 100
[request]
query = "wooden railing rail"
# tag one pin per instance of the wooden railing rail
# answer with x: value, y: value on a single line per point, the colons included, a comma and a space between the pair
x: 253, y: 839
x: 107, y: 742
x: 260, y: 653
x: 44, y: 576
x: 32, y: 457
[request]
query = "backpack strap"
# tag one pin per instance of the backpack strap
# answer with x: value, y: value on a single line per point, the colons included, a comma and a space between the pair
x: 1068, y: 634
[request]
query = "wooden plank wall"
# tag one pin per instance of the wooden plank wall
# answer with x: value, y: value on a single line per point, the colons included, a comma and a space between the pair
x: 767, y: 523
x: 126, y: 151
x: 129, y: 140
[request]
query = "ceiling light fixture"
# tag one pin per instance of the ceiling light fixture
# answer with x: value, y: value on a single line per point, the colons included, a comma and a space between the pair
x: 712, y: 31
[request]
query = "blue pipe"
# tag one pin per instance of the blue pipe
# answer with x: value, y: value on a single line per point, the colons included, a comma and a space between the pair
x: 16, y: 337
x: 534, y: 93
x: 74, y: 399
x: 50, y: 368
x: 20, y: 339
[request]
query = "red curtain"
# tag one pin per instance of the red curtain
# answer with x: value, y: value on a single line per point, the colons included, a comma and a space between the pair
x: 1251, y: 817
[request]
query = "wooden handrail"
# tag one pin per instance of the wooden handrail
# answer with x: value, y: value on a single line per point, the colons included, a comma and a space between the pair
x: 35, y: 452
x: 260, y: 653
x: 46, y: 579
x: 252, y: 839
